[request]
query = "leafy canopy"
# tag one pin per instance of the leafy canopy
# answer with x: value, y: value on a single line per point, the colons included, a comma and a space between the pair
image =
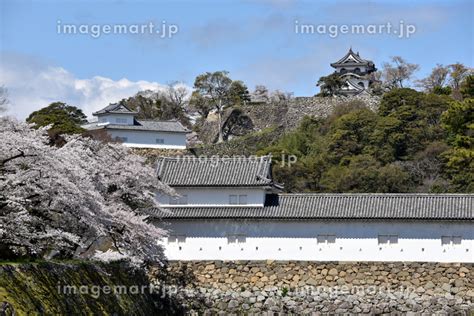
x: 65, y: 119
x: 415, y: 142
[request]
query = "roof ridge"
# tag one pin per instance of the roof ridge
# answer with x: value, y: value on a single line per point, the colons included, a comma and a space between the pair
x: 212, y: 158
x: 112, y: 107
x: 152, y: 120
x: 376, y: 194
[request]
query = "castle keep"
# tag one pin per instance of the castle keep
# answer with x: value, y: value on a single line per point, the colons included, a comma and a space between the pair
x: 354, y: 70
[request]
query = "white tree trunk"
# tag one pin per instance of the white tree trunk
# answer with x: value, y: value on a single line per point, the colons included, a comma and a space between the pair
x: 219, y: 115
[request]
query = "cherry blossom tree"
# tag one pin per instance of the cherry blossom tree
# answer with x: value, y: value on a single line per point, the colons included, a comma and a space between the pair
x: 86, y: 199
x: 3, y: 99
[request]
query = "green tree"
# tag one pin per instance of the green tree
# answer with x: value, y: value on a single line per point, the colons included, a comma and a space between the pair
x: 330, y: 85
x: 410, y: 120
x: 397, y: 98
x: 215, y: 90
x: 239, y: 93
x: 457, y: 74
x: 65, y: 119
x: 467, y: 87
x: 442, y: 90
x: 350, y: 134
x: 200, y: 104
x: 458, y: 120
x: 365, y: 174
x: 237, y: 123
x: 147, y: 108
x: 400, y: 148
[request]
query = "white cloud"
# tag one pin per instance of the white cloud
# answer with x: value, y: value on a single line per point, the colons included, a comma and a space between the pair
x: 32, y: 84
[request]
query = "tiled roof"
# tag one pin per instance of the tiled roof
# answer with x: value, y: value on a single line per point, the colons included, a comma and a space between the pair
x: 115, y: 108
x: 341, y: 206
x: 358, y: 60
x: 142, y: 125
x: 210, y: 172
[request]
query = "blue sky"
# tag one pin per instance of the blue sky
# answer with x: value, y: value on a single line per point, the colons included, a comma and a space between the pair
x: 254, y: 40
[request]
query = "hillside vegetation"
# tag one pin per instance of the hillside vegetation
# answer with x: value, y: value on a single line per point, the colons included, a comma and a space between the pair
x: 414, y: 142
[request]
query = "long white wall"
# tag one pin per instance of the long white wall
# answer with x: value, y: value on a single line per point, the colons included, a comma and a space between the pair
x: 217, y: 196
x: 147, y: 139
x: 298, y: 240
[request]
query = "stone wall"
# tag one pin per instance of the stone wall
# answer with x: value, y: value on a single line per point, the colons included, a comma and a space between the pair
x: 321, y: 107
x: 79, y: 288
x: 264, y: 287
x: 284, y: 114
x: 290, y: 113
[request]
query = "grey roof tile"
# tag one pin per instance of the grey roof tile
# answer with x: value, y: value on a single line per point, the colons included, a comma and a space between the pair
x: 209, y: 172
x: 358, y: 59
x: 115, y: 108
x: 341, y: 206
x: 142, y: 125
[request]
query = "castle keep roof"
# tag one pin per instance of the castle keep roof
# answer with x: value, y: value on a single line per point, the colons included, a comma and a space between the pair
x: 352, y: 59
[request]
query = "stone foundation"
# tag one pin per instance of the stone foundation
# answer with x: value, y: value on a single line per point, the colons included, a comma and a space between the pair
x: 266, y: 287
x: 285, y: 114
x: 322, y: 107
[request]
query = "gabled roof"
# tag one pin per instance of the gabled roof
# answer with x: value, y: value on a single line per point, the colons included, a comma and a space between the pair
x: 340, y: 206
x: 351, y: 59
x: 115, y: 108
x: 215, y: 172
x: 352, y: 86
x: 142, y: 125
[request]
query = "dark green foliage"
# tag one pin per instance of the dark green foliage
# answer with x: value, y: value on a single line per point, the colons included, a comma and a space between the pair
x: 65, y: 119
x: 147, y: 108
x: 458, y: 120
x: 442, y: 90
x: 410, y: 120
x: 330, y: 85
x: 216, y: 90
x: 467, y: 87
x: 403, y: 147
x: 241, y: 146
x: 239, y: 92
x: 236, y: 124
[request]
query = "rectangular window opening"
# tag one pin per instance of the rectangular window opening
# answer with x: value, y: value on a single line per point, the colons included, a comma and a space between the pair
x: 243, y: 199
x: 326, y: 239
x: 236, y: 239
x: 176, y: 239
x: 233, y: 199
x: 387, y: 239
x: 451, y: 240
